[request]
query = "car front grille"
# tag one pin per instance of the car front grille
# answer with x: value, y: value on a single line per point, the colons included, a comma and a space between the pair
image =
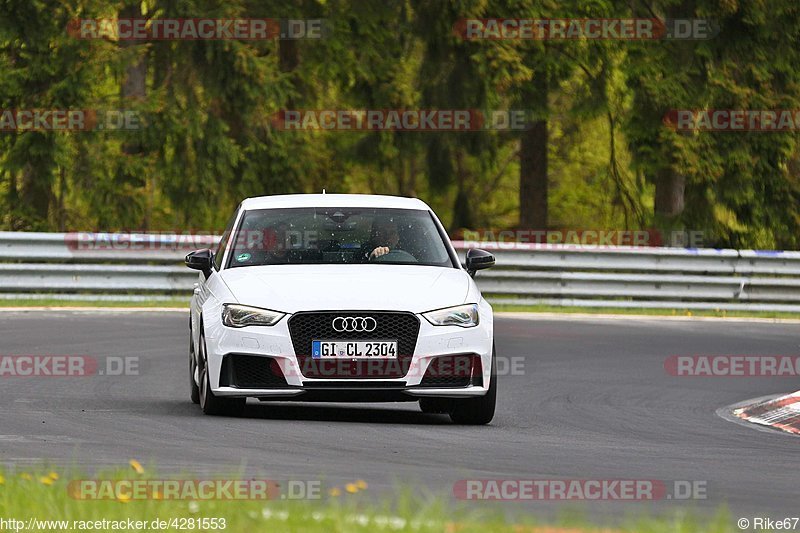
x: 306, y: 327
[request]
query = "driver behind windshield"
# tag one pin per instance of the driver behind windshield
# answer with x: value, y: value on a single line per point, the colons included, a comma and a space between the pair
x: 384, y: 238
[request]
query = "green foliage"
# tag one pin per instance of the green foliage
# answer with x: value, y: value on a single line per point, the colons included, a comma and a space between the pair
x: 208, y: 139
x: 741, y: 188
x: 48, y: 495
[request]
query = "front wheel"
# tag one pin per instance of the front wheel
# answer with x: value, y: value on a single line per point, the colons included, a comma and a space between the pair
x: 480, y: 410
x: 194, y: 391
x: 210, y: 404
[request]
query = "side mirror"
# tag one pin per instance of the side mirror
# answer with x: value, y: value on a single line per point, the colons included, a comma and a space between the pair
x: 478, y: 259
x: 200, y: 260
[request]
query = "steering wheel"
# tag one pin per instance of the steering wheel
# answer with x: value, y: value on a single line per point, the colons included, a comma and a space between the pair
x: 396, y: 256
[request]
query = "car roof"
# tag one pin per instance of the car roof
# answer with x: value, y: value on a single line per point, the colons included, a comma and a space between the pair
x: 333, y: 200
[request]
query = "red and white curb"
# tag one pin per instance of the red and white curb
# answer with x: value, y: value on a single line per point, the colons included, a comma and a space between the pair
x: 782, y: 413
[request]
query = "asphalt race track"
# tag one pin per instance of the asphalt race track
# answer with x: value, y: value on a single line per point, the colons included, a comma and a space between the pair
x: 593, y: 402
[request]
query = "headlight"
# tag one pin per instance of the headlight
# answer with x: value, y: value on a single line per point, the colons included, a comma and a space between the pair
x: 465, y: 316
x: 239, y: 316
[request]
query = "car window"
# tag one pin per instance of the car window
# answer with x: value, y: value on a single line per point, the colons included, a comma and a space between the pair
x: 338, y: 236
x: 223, y: 242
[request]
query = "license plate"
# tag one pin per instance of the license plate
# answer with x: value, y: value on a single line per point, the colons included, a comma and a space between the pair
x: 354, y: 349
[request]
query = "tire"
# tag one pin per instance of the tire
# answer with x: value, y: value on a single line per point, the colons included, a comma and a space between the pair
x: 210, y: 404
x: 477, y: 411
x: 194, y: 389
x: 440, y: 406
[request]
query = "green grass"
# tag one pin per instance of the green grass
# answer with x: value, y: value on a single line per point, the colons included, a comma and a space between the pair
x: 43, y: 494
x: 55, y: 302
x: 648, y: 312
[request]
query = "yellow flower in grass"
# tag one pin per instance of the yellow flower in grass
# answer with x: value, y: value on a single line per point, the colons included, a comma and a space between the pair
x: 53, y: 476
x: 335, y: 491
x: 351, y: 488
x: 123, y: 498
x: 361, y: 484
x: 137, y: 466
x: 2, y: 480
x: 26, y: 476
x: 46, y: 480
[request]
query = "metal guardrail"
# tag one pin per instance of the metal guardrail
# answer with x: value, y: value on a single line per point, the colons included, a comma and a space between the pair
x: 147, y: 266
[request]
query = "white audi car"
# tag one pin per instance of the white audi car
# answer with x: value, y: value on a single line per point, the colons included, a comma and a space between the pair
x: 340, y: 297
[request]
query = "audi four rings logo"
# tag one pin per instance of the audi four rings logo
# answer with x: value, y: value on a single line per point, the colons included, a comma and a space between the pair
x: 354, y: 323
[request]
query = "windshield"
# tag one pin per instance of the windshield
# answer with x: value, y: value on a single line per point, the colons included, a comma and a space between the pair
x: 338, y: 236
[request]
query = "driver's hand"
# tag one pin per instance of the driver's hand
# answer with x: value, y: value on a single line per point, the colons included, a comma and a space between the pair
x: 379, y: 251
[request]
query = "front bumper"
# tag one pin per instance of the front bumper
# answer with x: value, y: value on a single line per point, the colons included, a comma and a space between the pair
x: 275, y: 344
x: 343, y: 393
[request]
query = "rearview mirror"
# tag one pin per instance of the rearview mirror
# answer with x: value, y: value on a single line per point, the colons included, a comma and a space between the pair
x: 478, y: 259
x: 200, y: 260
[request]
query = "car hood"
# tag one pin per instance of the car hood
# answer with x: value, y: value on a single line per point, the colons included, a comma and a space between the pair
x: 292, y: 288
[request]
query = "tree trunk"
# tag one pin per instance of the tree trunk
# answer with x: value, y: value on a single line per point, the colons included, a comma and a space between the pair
x: 134, y: 85
x: 62, y: 193
x: 669, y: 195
x: 35, y: 194
x: 411, y: 186
x: 134, y: 88
x: 289, y: 61
x: 533, y: 186
x: 463, y: 213
x: 669, y: 200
